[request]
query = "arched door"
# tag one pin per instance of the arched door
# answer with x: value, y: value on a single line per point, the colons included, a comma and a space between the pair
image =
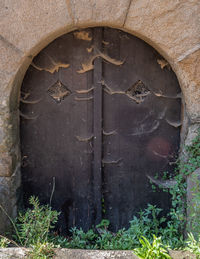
x: 100, y: 114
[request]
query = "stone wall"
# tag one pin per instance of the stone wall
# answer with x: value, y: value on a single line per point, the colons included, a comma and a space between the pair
x: 172, y: 27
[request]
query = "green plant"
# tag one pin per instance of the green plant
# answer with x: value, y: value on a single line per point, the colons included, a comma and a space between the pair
x: 148, y: 221
x: 33, y: 229
x: 35, y: 224
x: 4, y: 242
x: 154, y: 250
x: 173, y: 233
x: 41, y: 251
x: 82, y: 240
x: 193, y: 245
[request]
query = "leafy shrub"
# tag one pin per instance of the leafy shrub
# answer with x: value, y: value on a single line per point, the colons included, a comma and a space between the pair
x: 154, y: 250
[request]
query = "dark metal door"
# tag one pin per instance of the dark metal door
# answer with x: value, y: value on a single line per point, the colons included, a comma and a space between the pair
x: 100, y: 114
x: 141, y: 126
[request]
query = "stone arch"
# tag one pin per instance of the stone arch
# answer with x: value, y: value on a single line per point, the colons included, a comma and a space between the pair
x: 26, y: 27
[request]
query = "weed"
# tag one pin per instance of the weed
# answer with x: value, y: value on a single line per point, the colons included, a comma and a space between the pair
x: 193, y: 245
x: 34, y: 225
x: 148, y: 221
x: 4, y: 242
x: 151, y: 250
x: 33, y: 229
x: 41, y: 251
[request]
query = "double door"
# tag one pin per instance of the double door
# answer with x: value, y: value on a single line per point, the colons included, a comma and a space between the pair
x: 100, y: 116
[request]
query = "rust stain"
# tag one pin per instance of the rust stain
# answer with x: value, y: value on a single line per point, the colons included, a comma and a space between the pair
x: 165, y: 184
x: 25, y: 95
x: 162, y: 113
x: 27, y: 117
x: 111, y: 60
x: 53, y: 67
x: 85, y: 91
x: 175, y: 124
x: 160, y: 155
x: 163, y: 63
x: 29, y: 102
x: 132, y: 93
x: 87, y: 66
x: 84, y: 139
x: 83, y: 99
x: 105, y: 42
x: 142, y: 129
x: 179, y: 95
x: 114, y: 132
x: 82, y: 35
x: 89, y: 50
x: 108, y: 89
x: 111, y: 161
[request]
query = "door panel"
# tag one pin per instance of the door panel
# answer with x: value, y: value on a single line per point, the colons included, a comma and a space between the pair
x: 98, y: 117
x: 56, y: 144
x: 144, y: 125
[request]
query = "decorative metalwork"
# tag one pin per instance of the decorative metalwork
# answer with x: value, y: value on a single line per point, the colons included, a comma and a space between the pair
x: 58, y: 91
x: 138, y: 91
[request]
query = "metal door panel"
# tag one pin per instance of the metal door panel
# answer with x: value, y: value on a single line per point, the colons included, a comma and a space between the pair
x: 56, y: 144
x: 138, y: 109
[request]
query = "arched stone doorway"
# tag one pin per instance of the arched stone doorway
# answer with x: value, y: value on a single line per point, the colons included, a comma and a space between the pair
x: 100, y: 116
x: 162, y: 25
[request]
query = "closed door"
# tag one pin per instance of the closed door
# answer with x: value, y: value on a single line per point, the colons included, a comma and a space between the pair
x: 100, y: 116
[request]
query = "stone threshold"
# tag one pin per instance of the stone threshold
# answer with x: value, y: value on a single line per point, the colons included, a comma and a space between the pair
x: 63, y: 253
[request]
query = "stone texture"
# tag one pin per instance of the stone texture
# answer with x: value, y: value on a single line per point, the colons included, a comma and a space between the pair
x: 9, y: 143
x: 11, y: 253
x: 12, y: 70
x: 181, y: 255
x: 5, y: 164
x: 28, y: 23
x: 193, y: 205
x: 95, y: 12
x: 94, y: 254
x: 188, y: 72
x: 19, y: 253
x: 9, y: 194
x: 172, y: 27
x: 192, y: 133
x: 11, y: 60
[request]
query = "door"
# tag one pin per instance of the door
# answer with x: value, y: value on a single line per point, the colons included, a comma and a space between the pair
x: 100, y: 115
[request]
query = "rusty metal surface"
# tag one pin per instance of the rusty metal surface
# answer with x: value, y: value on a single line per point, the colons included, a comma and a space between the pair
x: 100, y: 114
